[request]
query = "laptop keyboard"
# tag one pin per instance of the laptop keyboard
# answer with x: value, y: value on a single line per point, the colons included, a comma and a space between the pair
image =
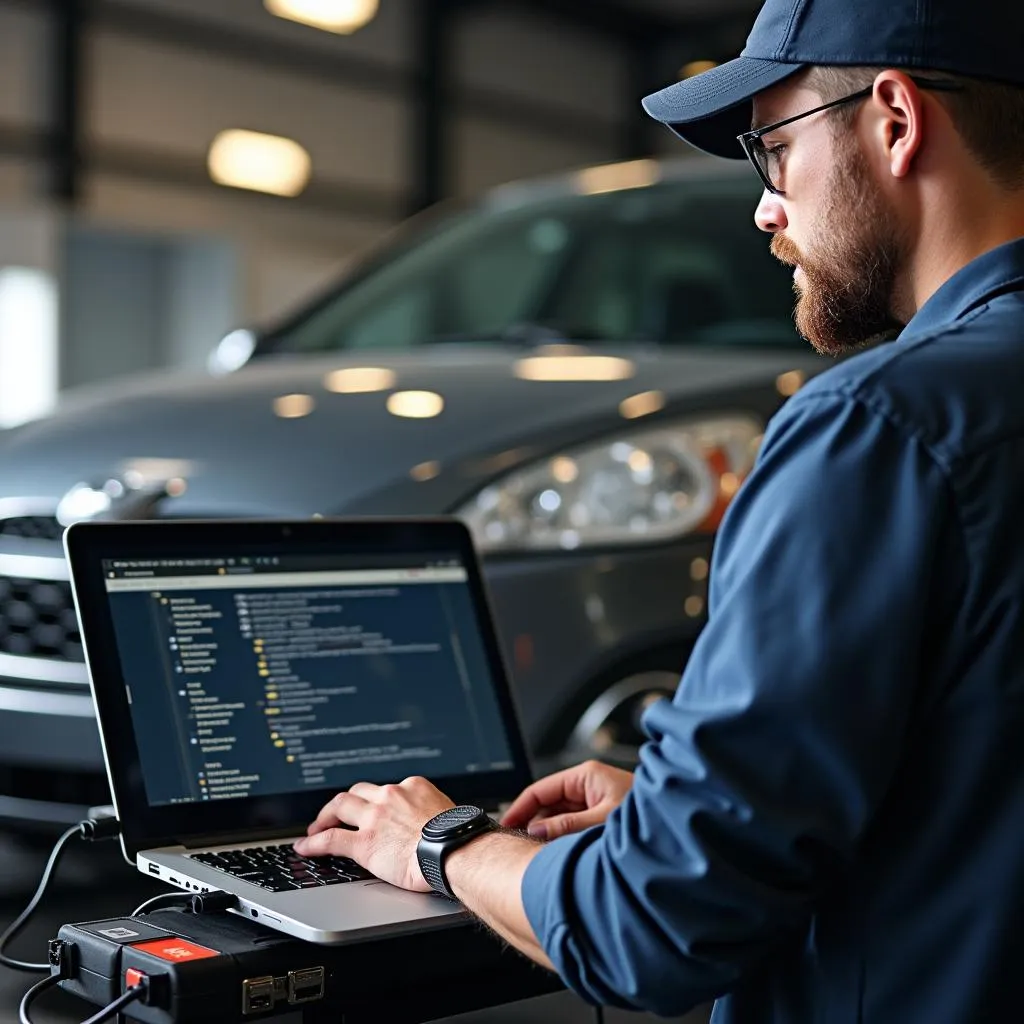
x: 280, y: 868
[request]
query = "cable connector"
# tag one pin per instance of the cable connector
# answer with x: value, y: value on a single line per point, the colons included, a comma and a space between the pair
x: 208, y: 902
x: 59, y: 955
x: 100, y: 827
x: 156, y: 988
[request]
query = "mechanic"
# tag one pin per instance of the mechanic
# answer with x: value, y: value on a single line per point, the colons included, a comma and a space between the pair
x: 827, y: 823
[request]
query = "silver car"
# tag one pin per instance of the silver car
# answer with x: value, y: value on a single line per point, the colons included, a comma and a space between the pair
x: 581, y: 367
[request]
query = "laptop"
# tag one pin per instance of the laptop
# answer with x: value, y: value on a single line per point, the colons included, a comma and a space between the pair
x: 246, y: 671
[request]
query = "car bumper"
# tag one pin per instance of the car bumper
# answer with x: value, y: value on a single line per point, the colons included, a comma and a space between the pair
x: 50, y: 747
x: 573, y: 628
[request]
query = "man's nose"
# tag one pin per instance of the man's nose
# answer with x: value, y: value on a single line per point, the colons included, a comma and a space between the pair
x: 770, y: 215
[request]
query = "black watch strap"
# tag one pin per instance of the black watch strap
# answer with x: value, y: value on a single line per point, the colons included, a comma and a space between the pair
x: 445, y: 832
x: 434, y: 874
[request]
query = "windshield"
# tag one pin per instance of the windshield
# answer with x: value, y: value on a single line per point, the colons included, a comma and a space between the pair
x: 679, y: 263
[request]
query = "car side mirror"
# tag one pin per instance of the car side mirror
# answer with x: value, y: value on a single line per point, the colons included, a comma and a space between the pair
x: 232, y: 352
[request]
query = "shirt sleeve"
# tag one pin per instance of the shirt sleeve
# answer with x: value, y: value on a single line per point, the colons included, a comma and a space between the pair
x: 763, y: 771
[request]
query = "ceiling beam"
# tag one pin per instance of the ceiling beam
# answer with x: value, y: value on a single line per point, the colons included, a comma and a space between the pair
x: 620, y: 21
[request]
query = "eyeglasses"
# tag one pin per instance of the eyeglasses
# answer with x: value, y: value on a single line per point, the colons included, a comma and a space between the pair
x: 767, y: 160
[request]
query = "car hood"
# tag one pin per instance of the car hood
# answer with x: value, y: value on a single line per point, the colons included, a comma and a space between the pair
x: 349, y: 454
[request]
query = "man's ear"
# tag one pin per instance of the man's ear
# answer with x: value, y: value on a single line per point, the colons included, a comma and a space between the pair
x: 899, y: 126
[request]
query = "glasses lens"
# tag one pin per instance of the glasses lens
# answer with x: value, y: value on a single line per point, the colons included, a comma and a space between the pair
x: 771, y: 164
x: 767, y: 162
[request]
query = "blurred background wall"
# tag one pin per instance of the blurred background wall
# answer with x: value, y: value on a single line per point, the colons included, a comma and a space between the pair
x: 109, y: 110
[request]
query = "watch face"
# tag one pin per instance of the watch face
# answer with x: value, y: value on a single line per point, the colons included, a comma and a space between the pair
x: 452, y: 821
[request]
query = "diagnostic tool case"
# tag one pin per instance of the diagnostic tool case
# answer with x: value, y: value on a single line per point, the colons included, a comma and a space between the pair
x: 221, y: 967
x: 200, y: 967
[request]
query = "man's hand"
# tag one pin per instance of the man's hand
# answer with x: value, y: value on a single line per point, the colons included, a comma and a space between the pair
x: 384, y: 824
x: 570, y: 800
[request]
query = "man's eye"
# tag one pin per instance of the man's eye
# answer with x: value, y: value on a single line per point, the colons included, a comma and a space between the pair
x: 773, y: 161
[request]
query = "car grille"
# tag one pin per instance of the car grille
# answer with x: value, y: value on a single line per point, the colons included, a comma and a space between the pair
x: 31, y: 527
x: 37, y: 619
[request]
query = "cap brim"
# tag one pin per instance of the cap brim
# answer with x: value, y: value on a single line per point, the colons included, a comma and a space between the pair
x: 709, y: 110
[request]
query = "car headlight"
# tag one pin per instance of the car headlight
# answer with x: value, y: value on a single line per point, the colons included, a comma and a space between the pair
x: 636, y: 487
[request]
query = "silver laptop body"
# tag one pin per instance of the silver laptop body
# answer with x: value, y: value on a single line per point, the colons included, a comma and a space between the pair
x: 245, y: 671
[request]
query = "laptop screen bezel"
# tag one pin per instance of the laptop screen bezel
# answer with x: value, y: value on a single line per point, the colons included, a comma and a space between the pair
x: 89, y: 544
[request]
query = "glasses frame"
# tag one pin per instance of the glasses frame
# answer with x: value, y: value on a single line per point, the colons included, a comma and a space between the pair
x: 754, y: 148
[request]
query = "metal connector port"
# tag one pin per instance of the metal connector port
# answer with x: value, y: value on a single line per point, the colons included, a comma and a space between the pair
x: 306, y: 985
x: 257, y: 994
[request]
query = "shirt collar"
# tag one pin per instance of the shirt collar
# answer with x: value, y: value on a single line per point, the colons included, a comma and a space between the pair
x: 997, y: 270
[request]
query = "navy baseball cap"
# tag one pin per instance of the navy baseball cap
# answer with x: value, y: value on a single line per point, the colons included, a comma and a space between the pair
x: 981, y: 39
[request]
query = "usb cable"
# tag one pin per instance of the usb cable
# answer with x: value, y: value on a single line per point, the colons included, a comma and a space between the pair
x: 90, y: 829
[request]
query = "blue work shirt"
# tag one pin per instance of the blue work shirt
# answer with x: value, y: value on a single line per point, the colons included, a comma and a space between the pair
x: 827, y: 824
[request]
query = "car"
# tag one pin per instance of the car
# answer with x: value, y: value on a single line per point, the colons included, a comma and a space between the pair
x: 581, y: 367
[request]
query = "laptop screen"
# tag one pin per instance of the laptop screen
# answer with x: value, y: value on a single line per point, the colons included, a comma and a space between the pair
x: 252, y: 675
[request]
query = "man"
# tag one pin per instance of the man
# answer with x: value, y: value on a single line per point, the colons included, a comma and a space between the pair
x: 828, y: 821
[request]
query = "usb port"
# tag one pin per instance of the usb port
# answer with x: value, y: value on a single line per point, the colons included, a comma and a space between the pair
x: 154, y: 869
x: 306, y: 985
x: 257, y: 994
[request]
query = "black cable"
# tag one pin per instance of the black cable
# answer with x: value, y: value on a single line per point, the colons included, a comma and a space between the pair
x: 32, y: 994
x: 599, y: 1014
x: 114, y: 1008
x: 110, y: 1010
x: 20, y: 921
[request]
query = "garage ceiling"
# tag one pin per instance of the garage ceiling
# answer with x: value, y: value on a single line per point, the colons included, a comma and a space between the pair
x: 684, y: 10
x: 664, y: 21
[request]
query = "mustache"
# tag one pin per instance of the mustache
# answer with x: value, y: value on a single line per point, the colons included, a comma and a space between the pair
x: 786, y: 251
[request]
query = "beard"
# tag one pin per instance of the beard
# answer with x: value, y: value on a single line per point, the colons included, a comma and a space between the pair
x: 851, y: 267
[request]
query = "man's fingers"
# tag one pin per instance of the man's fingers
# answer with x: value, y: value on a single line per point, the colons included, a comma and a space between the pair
x: 566, y: 824
x: 562, y: 787
x: 339, y: 842
x: 344, y: 809
x: 365, y: 791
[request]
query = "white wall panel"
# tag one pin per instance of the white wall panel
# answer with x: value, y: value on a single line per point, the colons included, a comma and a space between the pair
x: 385, y: 39
x: 167, y: 99
x: 132, y: 203
x: 538, y: 59
x: 278, y: 279
x: 285, y: 251
x: 29, y: 236
x: 19, y: 179
x: 489, y: 154
x: 23, y: 94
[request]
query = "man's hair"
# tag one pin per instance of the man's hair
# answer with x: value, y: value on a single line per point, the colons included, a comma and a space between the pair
x: 989, y: 116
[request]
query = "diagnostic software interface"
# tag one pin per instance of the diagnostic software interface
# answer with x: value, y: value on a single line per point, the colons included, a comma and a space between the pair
x: 260, y: 675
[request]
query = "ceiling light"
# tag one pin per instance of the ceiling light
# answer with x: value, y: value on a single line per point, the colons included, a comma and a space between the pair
x: 425, y: 471
x: 612, y: 177
x: 574, y: 368
x: 416, y: 405
x: 293, y: 407
x: 790, y: 383
x: 261, y: 163
x: 643, y: 404
x: 355, y: 380
x: 696, y: 67
x: 342, y: 16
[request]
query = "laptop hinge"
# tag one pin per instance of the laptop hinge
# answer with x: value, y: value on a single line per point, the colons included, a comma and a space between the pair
x: 241, y: 836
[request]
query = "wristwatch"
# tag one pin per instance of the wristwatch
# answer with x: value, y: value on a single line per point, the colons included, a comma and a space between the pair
x: 445, y: 832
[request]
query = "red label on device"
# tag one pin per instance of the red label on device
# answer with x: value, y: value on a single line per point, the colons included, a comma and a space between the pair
x: 176, y: 950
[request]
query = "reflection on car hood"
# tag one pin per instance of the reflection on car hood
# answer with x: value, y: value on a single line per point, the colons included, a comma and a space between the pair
x: 350, y: 454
